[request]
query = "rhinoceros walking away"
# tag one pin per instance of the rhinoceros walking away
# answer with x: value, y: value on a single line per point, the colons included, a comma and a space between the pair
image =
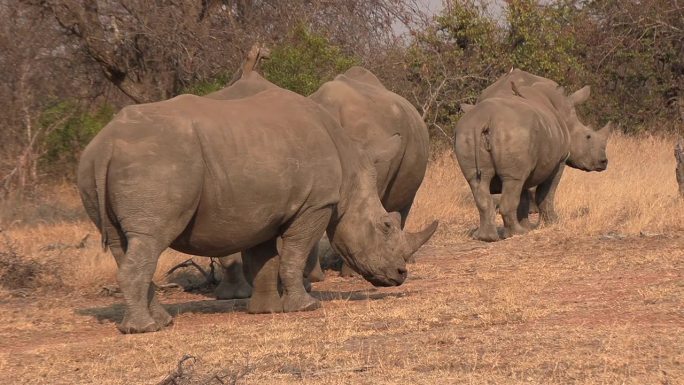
x: 266, y: 175
x: 521, y: 134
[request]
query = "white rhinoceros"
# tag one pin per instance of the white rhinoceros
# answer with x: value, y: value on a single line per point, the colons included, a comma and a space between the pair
x: 521, y: 133
x: 266, y: 174
x: 371, y: 116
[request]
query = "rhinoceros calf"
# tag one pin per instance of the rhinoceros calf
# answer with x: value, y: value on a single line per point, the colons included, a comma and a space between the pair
x: 266, y: 175
x: 521, y: 133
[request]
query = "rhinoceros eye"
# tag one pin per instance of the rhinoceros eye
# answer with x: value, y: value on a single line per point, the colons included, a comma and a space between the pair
x: 386, y: 225
x: 588, y: 136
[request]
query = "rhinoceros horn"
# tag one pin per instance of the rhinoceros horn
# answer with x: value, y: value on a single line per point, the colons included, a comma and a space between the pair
x: 416, y: 240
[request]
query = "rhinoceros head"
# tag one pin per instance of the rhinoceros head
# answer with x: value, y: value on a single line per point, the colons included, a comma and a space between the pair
x: 587, y: 147
x: 368, y: 238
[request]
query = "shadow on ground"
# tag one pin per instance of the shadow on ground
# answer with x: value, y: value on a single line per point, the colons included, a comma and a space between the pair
x: 114, y: 312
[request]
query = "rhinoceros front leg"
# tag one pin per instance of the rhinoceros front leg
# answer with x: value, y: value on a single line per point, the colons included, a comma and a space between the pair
x: 510, y: 206
x: 485, y: 207
x: 545, y: 196
x: 233, y: 284
x: 262, y: 262
x: 297, y: 241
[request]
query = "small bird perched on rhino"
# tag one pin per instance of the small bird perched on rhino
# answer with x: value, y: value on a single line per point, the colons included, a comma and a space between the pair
x: 521, y: 133
x: 214, y: 177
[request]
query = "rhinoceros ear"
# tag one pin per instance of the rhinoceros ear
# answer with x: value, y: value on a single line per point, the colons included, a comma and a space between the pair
x: 386, y: 150
x: 465, y: 107
x: 580, y: 96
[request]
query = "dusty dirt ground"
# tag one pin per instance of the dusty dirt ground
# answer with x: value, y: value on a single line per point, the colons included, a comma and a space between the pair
x: 595, y: 299
x: 546, y: 308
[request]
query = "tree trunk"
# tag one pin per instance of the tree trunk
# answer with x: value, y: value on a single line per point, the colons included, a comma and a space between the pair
x: 679, y: 171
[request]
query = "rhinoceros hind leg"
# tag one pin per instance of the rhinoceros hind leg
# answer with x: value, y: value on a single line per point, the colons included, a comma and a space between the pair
x: 545, y: 195
x: 524, y: 209
x: 485, y: 206
x: 263, y: 262
x: 299, y: 239
x: 509, y: 206
x: 347, y: 271
x: 313, y: 270
x: 136, y: 268
x: 233, y: 285
x: 317, y: 274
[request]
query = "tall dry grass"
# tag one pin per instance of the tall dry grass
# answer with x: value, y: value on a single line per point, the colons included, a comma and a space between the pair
x: 638, y: 193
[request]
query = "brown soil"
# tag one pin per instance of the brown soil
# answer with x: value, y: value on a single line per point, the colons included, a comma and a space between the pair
x: 547, y: 308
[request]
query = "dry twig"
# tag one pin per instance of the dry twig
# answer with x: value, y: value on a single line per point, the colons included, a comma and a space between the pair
x: 181, y: 370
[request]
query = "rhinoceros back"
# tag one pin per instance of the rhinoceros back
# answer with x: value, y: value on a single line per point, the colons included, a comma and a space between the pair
x: 258, y: 161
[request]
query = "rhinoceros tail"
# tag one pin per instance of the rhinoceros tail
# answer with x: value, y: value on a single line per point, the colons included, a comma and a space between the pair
x: 481, y: 130
x: 101, y: 170
x: 478, y: 172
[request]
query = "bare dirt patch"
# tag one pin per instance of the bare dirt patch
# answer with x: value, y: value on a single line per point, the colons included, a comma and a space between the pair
x: 596, y: 299
x: 544, y: 309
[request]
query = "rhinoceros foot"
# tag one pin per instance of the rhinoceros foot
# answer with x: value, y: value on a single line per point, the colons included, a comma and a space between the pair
x: 317, y: 274
x: 233, y: 290
x: 486, y: 235
x: 140, y: 324
x: 265, y: 303
x: 514, y: 230
x: 161, y: 317
x: 300, y: 302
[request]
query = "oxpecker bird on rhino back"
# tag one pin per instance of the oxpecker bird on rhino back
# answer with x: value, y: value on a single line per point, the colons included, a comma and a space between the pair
x: 521, y: 134
x: 214, y: 177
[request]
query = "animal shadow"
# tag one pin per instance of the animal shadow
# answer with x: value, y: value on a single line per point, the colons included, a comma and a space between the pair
x: 355, y: 295
x: 114, y: 312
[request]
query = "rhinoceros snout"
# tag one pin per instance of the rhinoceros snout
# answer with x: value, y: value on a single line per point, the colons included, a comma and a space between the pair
x: 394, y: 278
x: 602, y: 164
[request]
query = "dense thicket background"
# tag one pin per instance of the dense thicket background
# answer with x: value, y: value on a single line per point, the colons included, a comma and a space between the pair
x: 68, y: 65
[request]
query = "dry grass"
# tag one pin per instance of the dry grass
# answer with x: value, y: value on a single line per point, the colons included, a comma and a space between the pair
x: 637, y: 193
x: 565, y: 304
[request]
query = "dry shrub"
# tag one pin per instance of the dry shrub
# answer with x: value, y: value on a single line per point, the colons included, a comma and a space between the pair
x: 46, y: 205
x: 15, y: 271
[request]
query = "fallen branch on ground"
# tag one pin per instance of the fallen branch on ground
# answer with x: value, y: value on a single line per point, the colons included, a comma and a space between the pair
x: 209, y: 276
x: 181, y: 370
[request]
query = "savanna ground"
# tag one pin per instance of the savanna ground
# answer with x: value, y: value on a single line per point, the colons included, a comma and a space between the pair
x: 596, y: 299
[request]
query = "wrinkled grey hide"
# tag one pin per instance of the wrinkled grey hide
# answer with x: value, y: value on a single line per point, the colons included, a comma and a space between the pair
x: 371, y: 116
x: 521, y: 134
x: 214, y: 177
